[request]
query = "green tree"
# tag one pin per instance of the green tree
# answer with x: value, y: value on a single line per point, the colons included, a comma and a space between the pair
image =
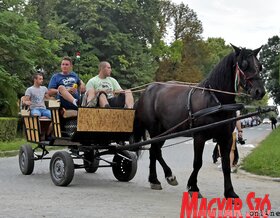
x: 216, y: 49
x: 186, y: 22
x: 184, y: 59
x: 22, y: 50
x: 269, y: 56
x: 8, y: 95
x: 53, y: 30
x: 121, y: 32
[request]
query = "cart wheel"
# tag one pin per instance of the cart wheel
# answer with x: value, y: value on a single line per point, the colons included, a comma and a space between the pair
x: 125, y: 166
x: 26, y: 159
x: 62, y: 168
x: 93, y: 166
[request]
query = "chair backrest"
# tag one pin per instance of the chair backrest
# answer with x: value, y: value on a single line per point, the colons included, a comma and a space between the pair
x: 24, y: 109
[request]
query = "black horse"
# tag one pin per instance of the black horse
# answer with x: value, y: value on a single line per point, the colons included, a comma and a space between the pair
x: 163, y: 106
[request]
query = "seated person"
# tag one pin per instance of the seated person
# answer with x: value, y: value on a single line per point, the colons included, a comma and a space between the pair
x: 66, y: 85
x: 34, y: 97
x: 102, y: 90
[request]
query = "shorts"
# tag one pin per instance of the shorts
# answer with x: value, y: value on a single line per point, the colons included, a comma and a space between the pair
x: 41, y: 112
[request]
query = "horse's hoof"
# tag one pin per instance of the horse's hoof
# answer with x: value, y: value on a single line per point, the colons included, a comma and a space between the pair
x: 172, y: 180
x: 156, y: 186
x: 231, y: 194
x: 192, y: 192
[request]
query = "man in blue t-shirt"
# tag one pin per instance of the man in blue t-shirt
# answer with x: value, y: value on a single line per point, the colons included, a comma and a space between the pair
x: 66, y: 85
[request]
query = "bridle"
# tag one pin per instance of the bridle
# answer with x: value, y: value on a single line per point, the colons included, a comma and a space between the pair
x: 242, y: 79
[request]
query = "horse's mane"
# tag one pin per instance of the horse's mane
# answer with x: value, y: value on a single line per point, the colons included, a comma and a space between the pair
x: 222, y: 74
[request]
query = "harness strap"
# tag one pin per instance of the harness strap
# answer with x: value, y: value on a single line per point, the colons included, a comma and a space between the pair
x: 217, y: 108
x: 189, y: 107
x: 214, y: 96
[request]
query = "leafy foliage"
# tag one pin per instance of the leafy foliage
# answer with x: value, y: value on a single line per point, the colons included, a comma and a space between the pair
x: 8, y: 129
x: 270, y: 57
x: 8, y: 96
x: 216, y: 49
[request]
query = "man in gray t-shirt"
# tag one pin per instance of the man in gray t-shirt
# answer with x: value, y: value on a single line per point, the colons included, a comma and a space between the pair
x: 34, y: 97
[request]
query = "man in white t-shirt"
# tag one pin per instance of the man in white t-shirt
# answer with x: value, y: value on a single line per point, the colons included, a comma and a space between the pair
x: 105, y: 91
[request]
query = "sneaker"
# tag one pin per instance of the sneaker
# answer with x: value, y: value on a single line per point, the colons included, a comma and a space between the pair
x: 92, y: 103
x: 233, y: 169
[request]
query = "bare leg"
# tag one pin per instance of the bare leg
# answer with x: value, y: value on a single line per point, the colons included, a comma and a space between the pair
x: 50, y: 129
x: 231, y: 155
x: 65, y: 94
x: 129, y: 101
x: 90, y: 95
x: 103, y: 100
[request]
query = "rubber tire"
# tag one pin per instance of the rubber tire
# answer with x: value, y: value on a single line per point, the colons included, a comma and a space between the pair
x: 123, y: 169
x: 61, y: 160
x: 91, y: 168
x: 26, y: 159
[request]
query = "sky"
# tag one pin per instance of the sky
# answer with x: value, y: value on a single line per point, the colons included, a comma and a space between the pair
x: 244, y: 23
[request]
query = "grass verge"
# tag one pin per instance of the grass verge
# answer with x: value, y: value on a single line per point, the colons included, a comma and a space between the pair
x: 9, y: 149
x: 265, y: 159
x: 12, y: 145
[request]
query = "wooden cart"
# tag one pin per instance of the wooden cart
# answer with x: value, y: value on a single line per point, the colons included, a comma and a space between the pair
x: 88, y: 133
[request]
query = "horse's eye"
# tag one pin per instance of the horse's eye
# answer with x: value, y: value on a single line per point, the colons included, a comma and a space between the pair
x: 244, y: 64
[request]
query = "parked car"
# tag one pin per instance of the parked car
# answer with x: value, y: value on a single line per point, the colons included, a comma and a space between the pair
x: 266, y: 121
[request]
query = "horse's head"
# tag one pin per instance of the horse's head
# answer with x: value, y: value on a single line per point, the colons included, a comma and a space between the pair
x: 247, y: 72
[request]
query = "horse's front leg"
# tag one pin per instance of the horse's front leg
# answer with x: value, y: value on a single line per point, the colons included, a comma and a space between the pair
x: 225, y: 147
x: 170, y: 178
x: 155, y: 184
x: 197, y: 164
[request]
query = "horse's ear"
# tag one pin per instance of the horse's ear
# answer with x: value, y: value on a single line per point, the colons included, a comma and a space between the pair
x: 256, y: 51
x: 236, y: 49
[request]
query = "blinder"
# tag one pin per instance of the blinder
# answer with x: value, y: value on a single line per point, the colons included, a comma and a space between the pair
x: 244, y: 80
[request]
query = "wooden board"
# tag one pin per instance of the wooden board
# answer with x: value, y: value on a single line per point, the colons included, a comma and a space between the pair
x: 105, y: 120
x: 53, y: 103
x: 56, y: 123
x: 32, y: 129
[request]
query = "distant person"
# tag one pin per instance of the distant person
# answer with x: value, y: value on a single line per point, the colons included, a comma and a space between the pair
x: 35, y: 96
x: 273, y: 122
x: 105, y: 91
x: 66, y: 85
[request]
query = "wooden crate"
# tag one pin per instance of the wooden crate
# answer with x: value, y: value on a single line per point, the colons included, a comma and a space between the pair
x: 105, y: 120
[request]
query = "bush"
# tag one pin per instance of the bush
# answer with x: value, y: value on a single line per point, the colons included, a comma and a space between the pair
x: 8, y: 128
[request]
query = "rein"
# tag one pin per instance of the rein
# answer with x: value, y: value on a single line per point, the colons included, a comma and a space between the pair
x: 180, y: 84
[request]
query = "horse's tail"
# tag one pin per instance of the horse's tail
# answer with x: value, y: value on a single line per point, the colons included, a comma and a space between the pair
x: 139, y: 131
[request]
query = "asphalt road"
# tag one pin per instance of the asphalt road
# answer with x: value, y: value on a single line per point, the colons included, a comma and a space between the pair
x: 101, y: 195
